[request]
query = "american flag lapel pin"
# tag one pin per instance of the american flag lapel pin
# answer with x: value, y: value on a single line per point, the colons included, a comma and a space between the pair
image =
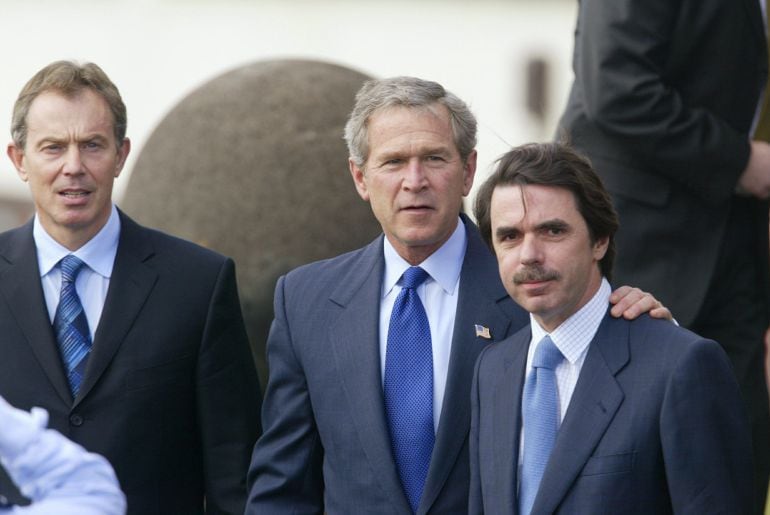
x: 482, y: 332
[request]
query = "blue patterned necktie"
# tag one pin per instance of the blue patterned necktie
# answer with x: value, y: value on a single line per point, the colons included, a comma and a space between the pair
x: 409, y: 386
x: 71, y: 325
x: 540, y: 413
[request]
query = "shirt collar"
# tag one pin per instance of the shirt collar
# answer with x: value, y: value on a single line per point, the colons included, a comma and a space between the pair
x: 98, y: 252
x: 574, y: 335
x: 443, y: 266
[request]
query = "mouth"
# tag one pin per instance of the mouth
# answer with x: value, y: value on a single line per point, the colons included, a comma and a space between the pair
x: 74, y: 196
x: 416, y: 209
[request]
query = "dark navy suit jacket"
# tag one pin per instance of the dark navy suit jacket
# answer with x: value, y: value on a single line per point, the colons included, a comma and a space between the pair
x: 656, y: 424
x: 170, y: 395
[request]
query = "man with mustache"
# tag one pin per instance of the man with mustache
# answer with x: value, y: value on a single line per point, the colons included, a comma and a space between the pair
x: 581, y: 412
x: 371, y: 353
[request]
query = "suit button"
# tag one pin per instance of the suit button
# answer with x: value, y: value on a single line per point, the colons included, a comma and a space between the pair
x: 76, y: 420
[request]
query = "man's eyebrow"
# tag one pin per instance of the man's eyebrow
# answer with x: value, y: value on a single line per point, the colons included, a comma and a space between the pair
x: 556, y: 223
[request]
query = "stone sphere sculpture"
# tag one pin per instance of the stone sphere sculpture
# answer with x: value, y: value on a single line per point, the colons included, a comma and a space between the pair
x: 253, y: 165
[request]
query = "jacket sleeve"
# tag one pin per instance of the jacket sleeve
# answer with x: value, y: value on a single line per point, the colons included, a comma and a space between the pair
x: 624, y: 69
x: 705, y: 437
x: 58, y: 475
x: 228, y: 398
x: 286, y: 467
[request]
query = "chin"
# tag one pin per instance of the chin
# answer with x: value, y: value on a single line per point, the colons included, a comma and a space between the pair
x: 534, y: 306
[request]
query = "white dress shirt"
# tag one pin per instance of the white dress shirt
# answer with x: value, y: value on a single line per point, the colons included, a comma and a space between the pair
x: 572, y: 338
x: 93, y: 280
x: 439, y: 298
x: 59, y: 476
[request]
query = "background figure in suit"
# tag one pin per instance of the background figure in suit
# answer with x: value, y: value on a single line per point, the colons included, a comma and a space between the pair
x: 144, y: 360
x: 663, y: 101
x: 60, y: 477
x: 651, y: 418
x: 328, y: 414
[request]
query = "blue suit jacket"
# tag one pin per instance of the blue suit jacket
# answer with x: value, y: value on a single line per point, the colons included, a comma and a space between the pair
x: 326, y: 444
x: 655, y: 425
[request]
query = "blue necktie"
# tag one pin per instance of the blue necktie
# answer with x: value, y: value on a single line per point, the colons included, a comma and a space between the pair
x: 540, y: 413
x: 409, y: 386
x: 71, y: 325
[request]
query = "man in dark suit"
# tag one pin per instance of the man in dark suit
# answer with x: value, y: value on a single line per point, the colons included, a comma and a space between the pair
x: 328, y: 414
x: 581, y: 412
x: 132, y: 340
x: 663, y: 102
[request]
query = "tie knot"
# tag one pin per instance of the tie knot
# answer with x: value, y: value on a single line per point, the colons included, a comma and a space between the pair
x: 413, y: 277
x: 547, y: 355
x: 70, y: 268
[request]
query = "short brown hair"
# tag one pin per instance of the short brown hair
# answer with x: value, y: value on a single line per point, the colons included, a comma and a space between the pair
x: 554, y: 164
x: 68, y: 78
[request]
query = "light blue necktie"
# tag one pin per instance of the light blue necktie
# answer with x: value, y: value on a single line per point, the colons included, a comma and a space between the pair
x: 71, y: 325
x: 409, y: 386
x: 540, y: 413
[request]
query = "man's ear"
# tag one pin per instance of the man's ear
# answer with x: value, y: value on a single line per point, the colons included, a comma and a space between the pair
x: 16, y: 155
x: 469, y: 172
x: 600, y: 247
x: 359, y: 179
x: 123, y: 151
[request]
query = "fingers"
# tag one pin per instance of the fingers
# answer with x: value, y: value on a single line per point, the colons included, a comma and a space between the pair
x: 631, y: 302
x: 663, y: 313
x: 626, y: 300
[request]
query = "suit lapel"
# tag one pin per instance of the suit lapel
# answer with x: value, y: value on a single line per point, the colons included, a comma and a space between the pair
x: 482, y: 300
x: 354, y: 340
x: 507, y: 422
x: 23, y: 292
x: 130, y: 285
x: 596, y: 398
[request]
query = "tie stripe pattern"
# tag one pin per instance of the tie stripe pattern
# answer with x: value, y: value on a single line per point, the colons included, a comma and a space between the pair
x: 540, y: 414
x: 71, y: 325
x: 408, y: 386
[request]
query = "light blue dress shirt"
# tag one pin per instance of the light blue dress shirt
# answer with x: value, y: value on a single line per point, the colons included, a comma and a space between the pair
x: 93, y: 281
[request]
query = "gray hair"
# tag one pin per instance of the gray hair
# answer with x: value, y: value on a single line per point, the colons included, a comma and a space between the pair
x: 406, y: 92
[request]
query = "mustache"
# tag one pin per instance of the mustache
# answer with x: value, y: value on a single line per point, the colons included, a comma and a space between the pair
x: 535, y: 273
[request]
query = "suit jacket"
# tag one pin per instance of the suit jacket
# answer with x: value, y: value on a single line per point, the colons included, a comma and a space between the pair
x: 170, y: 395
x: 655, y: 425
x: 326, y: 444
x: 664, y: 96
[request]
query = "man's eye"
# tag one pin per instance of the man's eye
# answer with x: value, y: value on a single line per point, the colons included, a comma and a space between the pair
x: 435, y: 161
x: 555, y: 231
x: 510, y: 236
x: 394, y: 164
